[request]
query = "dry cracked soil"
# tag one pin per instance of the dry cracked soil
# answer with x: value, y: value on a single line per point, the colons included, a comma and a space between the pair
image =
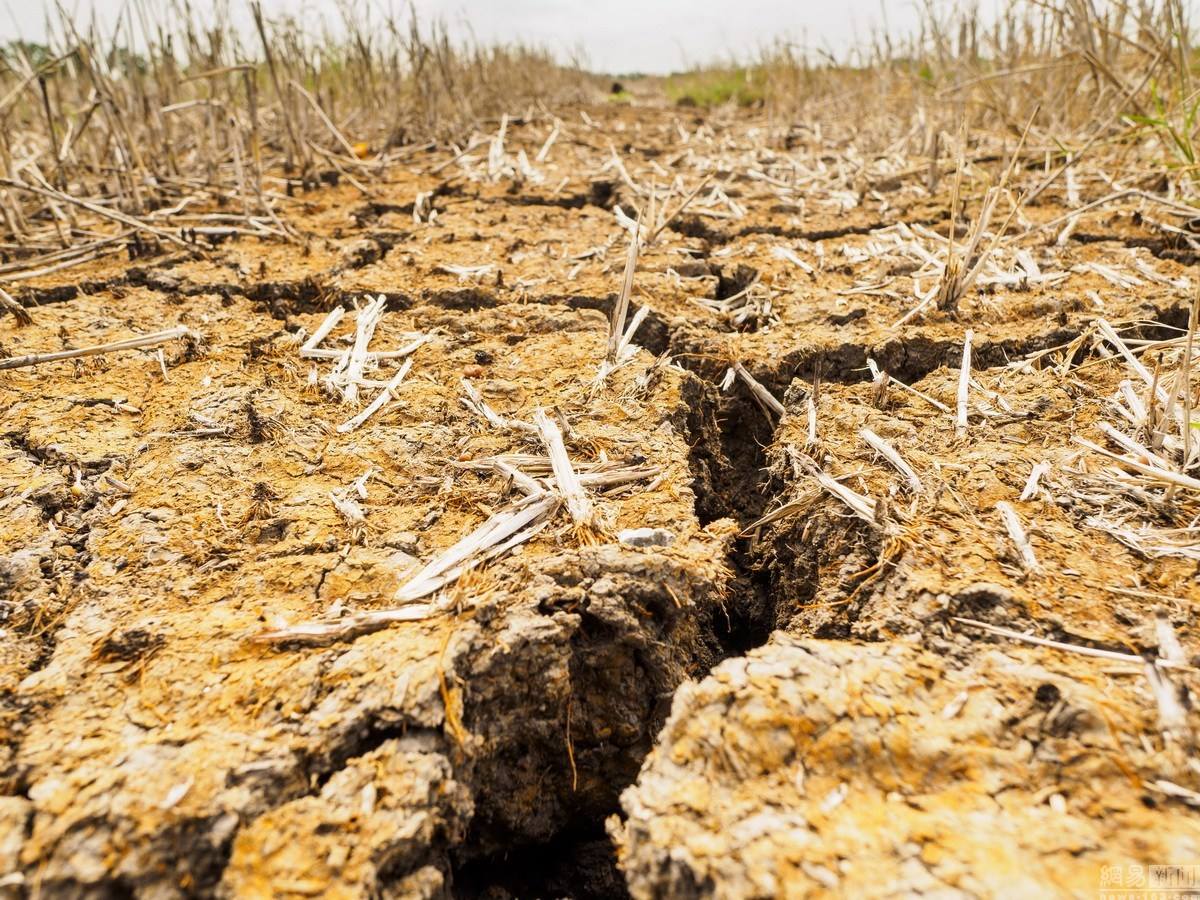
x: 740, y: 707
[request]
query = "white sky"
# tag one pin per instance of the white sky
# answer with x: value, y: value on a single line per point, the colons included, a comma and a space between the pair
x: 653, y: 36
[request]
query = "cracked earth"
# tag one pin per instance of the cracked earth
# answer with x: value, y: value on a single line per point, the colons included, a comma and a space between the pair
x: 780, y: 698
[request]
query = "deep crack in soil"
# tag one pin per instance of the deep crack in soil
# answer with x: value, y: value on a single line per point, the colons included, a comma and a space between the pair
x: 159, y: 516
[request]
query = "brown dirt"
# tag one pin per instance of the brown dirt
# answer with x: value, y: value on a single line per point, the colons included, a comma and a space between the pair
x: 907, y: 752
x: 936, y: 559
x: 149, y: 748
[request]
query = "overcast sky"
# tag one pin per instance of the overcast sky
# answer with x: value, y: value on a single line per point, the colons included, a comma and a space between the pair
x: 616, y: 35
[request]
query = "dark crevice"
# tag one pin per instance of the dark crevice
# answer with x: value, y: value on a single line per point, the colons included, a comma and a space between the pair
x: 696, y: 227
x: 733, y: 284
x: 653, y: 335
x: 38, y: 454
x: 280, y: 299
x: 284, y: 298
x: 565, y: 741
x: 578, y: 863
x: 746, y: 434
x: 45, y: 296
x: 369, y: 212
x: 466, y: 299
x: 600, y: 194
x: 1174, y: 247
x: 582, y: 739
x: 729, y: 435
x: 812, y: 566
x: 359, y: 739
x: 371, y: 247
x: 822, y: 234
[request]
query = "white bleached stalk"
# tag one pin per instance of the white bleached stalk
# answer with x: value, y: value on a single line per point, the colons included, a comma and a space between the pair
x: 863, y: 507
x: 624, y: 221
x: 520, y: 480
x: 475, y: 403
x: 605, y: 480
x: 956, y: 280
x: 526, y: 169
x: 146, y: 340
x: 624, y: 173
x: 602, y: 474
x: 1169, y: 647
x: 1031, y: 486
x: 504, y: 530
x: 617, y: 324
x: 665, y: 220
x: 466, y: 273
x: 20, y: 313
x: 1109, y: 274
x: 360, y: 483
x: 1132, y: 446
x: 1114, y: 655
x: 1164, y: 475
x: 876, y: 373
x: 1183, y: 383
x: 372, y: 355
x: 888, y: 452
x: 1072, y: 183
x: 380, y: 399
x: 516, y: 521
x: 337, y: 373
x: 544, y: 152
x: 764, y: 397
x: 327, y: 325
x: 625, y: 349
x: 419, y: 202
x: 810, y: 405
x: 1136, y: 407
x: 368, y: 318
x: 1028, y: 264
x: 627, y: 339
x: 923, y: 300
x: 404, y: 351
x: 578, y: 503
x: 320, y: 632
x: 1110, y: 335
x: 1016, y: 531
x: 349, y: 510
x: 496, y: 150
x: 1172, y: 717
x: 1067, y: 230
x: 964, y: 381
x: 786, y: 253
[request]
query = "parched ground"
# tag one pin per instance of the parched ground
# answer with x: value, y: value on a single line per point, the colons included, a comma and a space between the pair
x: 901, y: 751
x: 819, y: 702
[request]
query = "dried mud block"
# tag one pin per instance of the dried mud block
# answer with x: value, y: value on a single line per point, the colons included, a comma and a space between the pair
x: 382, y: 813
x: 810, y: 768
x: 828, y: 327
x: 28, y: 555
x: 14, y: 822
x: 159, y: 752
x: 1105, y: 563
